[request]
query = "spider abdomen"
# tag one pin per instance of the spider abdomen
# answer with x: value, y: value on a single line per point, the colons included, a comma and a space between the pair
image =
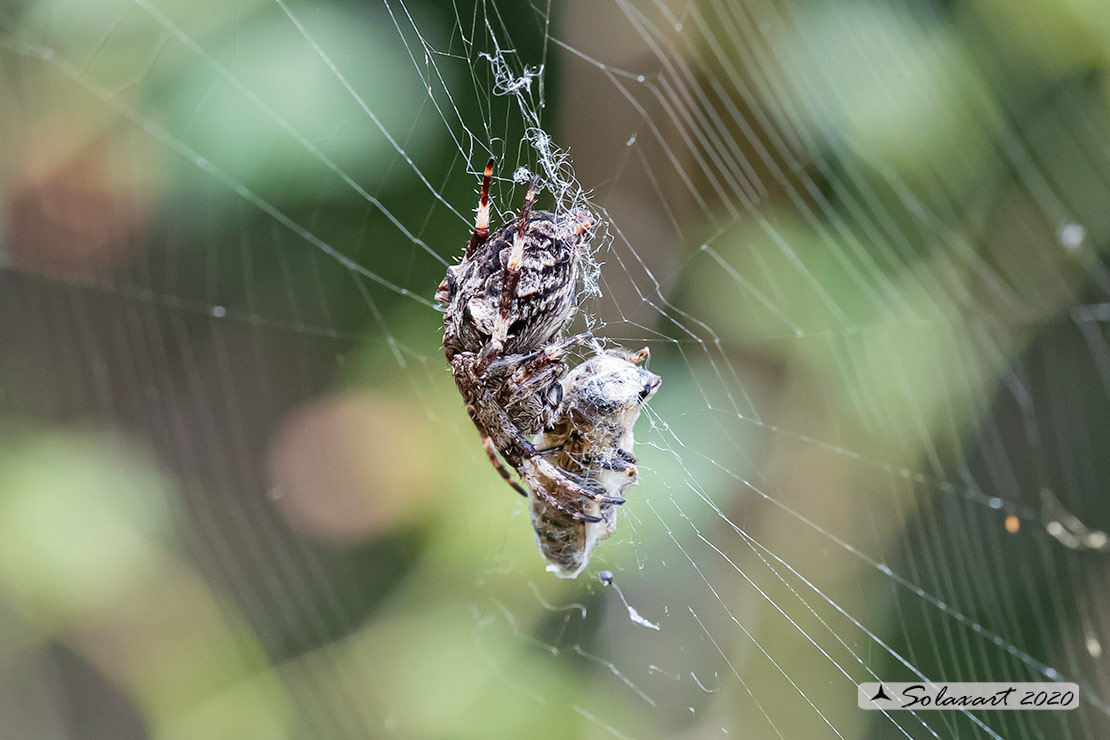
x: 546, y: 289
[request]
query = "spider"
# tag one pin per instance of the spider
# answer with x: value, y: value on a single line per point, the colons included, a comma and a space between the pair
x: 505, y: 307
x: 602, y: 399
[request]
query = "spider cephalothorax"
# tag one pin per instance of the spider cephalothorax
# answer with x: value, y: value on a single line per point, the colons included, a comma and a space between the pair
x: 592, y: 433
x: 505, y: 308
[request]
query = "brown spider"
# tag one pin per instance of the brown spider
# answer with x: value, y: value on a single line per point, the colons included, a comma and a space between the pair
x: 602, y: 398
x: 505, y: 307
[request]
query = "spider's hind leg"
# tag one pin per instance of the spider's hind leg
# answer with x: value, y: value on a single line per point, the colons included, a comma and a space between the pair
x: 481, y: 232
x: 491, y: 452
x: 481, y: 221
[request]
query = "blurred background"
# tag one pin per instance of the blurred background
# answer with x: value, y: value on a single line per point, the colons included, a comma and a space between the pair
x: 865, y: 242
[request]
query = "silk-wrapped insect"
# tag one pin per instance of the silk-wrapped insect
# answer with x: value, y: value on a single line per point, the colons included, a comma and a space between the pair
x: 591, y: 444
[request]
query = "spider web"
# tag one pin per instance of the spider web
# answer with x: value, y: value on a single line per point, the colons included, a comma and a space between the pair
x: 862, y: 241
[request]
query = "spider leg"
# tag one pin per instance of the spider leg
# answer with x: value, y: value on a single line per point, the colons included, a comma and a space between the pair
x: 552, y: 500
x: 535, y: 369
x: 481, y: 221
x: 554, y: 352
x: 523, y: 456
x: 491, y: 452
x: 543, y: 371
x: 536, y: 483
x: 510, y: 279
x: 555, y: 474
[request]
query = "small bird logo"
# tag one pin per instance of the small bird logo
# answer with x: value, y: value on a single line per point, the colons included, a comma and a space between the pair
x: 880, y: 694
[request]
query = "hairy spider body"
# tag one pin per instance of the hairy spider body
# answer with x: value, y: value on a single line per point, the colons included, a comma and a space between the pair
x: 592, y: 434
x: 545, y: 288
x: 512, y: 398
x: 505, y: 308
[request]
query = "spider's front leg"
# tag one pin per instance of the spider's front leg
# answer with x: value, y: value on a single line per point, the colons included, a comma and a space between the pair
x: 558, y: 490
x: 540, y: 490
x: 534, y: 363
x: 568, y: 484
x: 537, y: 371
